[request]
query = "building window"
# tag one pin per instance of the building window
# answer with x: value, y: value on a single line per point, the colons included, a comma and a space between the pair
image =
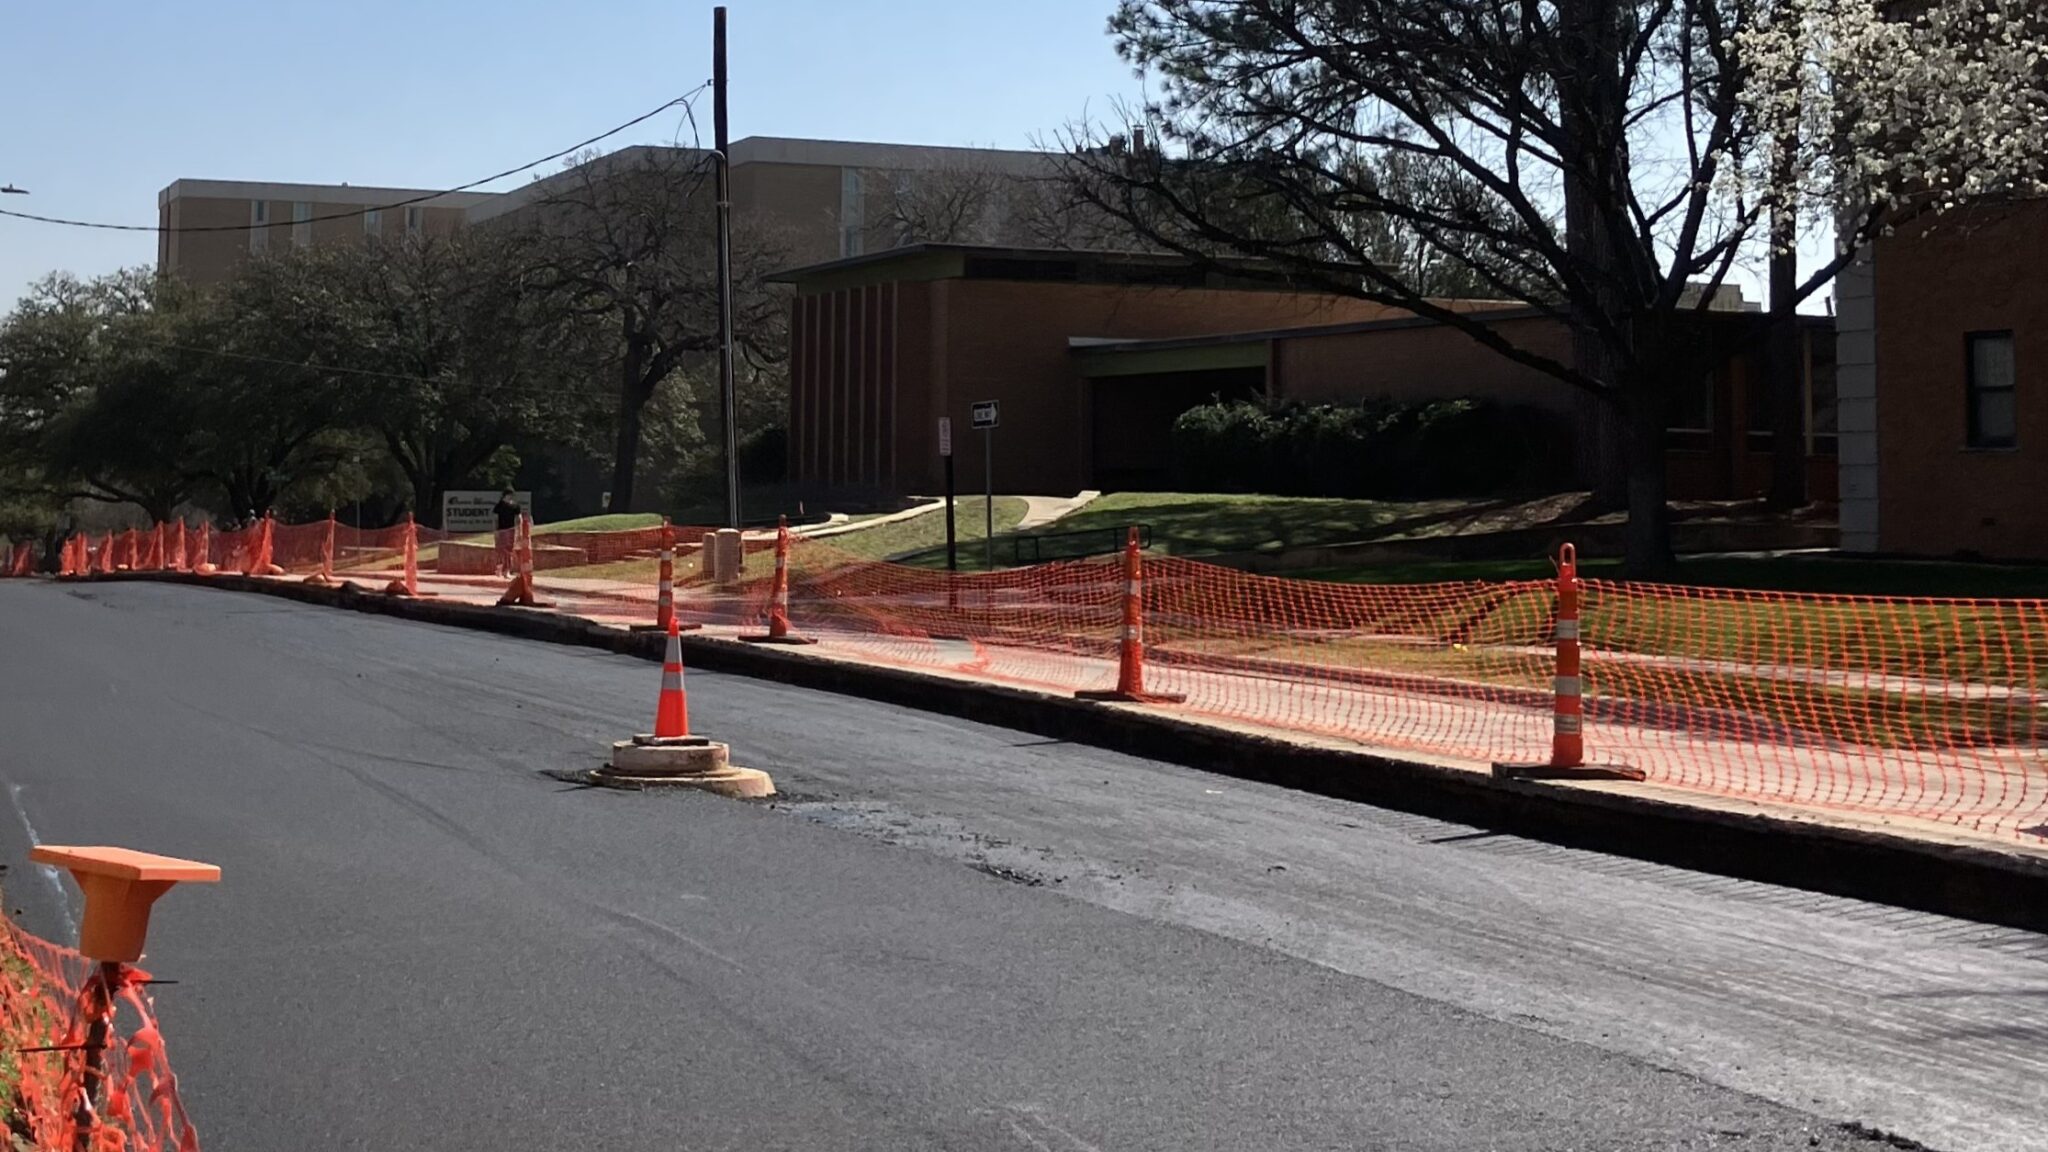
x: 853, y: 213
x: 259, y: 225
x: 1692, y: 405
x: 373, y: 224
x: 1994, y: 415
x: 1820, y: 393
x: 302, y: 223
x: 413, y: 220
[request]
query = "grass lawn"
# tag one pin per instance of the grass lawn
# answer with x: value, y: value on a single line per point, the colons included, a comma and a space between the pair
x: 926, y: 535
x: 613, y: 522
x: 1193, y: 524
x: 1809, y: 573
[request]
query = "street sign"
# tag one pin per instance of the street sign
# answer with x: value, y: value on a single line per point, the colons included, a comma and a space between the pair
x: 985, y: 414
x: 945, y: 435
x: 471, y: 511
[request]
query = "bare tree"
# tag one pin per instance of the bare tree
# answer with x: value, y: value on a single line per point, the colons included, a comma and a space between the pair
x: 631, y: 237
x: 1614, y: 157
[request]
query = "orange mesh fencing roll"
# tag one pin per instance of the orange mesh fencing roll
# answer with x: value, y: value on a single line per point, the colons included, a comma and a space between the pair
x: 44, y: 1015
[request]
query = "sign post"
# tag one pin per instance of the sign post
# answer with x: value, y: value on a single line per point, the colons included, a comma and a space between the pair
x: 946, y: 454
x: 987, y: 414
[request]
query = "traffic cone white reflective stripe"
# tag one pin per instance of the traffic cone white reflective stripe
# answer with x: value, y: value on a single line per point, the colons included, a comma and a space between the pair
x: 521, y: 591
x: 1568, y: 741
x: 1130, y: 666
x: 779, y: 630
x: 408, y: 581
x: 672, y: 709
x: 1568, y: 696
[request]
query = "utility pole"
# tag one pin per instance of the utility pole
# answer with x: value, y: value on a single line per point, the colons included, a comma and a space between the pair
x: 722, y: 141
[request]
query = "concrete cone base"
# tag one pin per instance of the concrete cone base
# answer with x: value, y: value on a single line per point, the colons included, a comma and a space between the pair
x: 1115, y: 697
x: 789, y: 638
x: 681, y: 762
x: 1502, y: 771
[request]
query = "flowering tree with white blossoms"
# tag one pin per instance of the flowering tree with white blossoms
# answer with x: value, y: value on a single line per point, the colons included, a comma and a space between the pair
x: 1607, y: 162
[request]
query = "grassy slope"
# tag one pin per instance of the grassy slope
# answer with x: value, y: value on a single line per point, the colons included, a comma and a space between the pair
x: 927, y: 533
x: 1190, y: 523
x: 1839, y: 576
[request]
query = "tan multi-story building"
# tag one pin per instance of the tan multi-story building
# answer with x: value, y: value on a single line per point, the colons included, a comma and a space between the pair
x: 827, y: 199
x: 209, y: 226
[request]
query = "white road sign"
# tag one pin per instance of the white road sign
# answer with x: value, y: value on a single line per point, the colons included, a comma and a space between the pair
x: 471, y: 511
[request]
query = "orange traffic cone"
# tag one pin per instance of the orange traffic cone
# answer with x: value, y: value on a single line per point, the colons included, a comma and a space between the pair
x: 324, y: 578
x: 265, y: 565
x: 1130, y: 670
x: 202, y: 550
x: 520, y: 592
x: 665, y: 587
x: 672, y: 710
x: 779, y: 631
x: 408, y: 582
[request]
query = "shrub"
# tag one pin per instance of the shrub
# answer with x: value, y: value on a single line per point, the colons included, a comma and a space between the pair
x: 1370, y: 448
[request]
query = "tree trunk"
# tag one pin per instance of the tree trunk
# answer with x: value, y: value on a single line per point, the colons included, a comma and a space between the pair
x: 1785, y: 373
x: 1647, y: 546
x: 626, y: 450
x: 1593, y: 104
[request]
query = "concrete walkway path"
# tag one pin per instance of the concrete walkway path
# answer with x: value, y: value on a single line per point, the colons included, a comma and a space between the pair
x: 1042, y: 510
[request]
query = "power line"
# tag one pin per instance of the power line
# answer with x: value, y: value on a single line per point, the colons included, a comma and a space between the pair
x: 683, y: 100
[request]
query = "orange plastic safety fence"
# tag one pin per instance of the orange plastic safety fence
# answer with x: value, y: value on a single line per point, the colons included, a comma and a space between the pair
x: 1926, y: 708
x: 49, y: 997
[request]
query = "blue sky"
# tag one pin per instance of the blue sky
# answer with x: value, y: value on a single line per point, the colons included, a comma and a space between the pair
x: 107, y: 102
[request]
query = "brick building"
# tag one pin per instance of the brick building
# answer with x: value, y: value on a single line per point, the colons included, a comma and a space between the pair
x: 254, y: 218
x: 1093, y: 354
x: 1944, y: 429
x: 829, y: 198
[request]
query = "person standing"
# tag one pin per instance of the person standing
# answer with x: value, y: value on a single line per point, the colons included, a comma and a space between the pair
x: 507, y: 511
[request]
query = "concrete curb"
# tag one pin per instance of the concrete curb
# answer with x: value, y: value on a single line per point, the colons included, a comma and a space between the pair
x: 1968, y: 881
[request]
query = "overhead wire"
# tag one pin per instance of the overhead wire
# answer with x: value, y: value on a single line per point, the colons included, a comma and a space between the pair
x: 684, y: 100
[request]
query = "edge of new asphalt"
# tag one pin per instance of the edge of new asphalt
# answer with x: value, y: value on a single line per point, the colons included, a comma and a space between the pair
x: 1962, y: 880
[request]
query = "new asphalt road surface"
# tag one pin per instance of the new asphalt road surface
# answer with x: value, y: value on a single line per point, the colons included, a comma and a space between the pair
x: 945, y: 936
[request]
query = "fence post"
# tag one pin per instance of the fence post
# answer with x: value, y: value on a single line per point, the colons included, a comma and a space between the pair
x: 1568, y: 689
x: 119, y: 885
x: 1130, y: 670
x: 779, y: 631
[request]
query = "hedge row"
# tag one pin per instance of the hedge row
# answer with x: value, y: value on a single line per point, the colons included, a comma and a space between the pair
x: 1372, y: 448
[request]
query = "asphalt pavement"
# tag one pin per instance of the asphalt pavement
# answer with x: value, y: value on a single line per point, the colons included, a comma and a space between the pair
x: 947, y: 935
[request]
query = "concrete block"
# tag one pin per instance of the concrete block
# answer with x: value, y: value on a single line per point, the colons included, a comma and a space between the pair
x: 1859, y: 518
x: 1858, y: 483
x: 1856, y: 313
x: 1856, y: 416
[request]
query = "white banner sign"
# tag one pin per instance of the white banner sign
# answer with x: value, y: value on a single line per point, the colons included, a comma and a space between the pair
x: 471, y: 511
